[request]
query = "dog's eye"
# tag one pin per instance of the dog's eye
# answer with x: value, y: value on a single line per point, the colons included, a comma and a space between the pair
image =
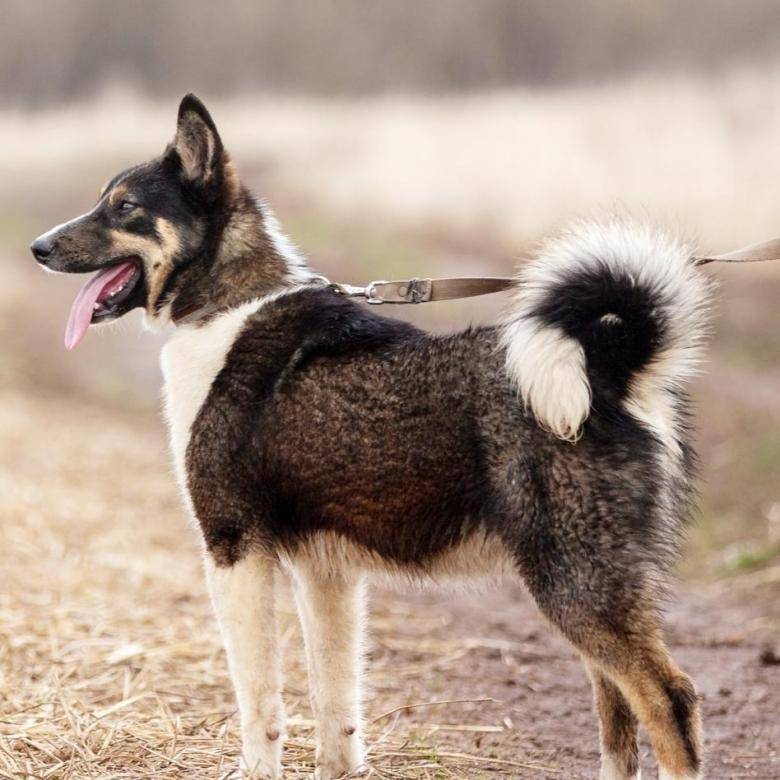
x: 126, y: 206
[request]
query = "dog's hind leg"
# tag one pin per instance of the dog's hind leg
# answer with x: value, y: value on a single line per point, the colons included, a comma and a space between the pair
x: 618, y: 728
x: 331, y: 612
x: 613, y: 622
x: 666, y: 703
x: 636, y: 661
x: 243, y: 598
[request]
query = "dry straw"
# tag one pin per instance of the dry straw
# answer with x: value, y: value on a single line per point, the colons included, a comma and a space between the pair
x: 111, y: 663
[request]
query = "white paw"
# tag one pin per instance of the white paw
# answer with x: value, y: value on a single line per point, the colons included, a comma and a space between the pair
x: 259, y: 771
x: 330, y: 771
x: 344, y: 759
x: 611, y: 770
x: 262, y: 760
x: 261, y: 755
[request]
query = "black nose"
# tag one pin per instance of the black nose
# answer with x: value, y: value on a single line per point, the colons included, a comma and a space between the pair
x: 42, y: 247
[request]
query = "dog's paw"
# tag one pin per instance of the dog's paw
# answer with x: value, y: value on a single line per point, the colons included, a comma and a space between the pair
x: 261, y: 755
x: 336, y: 771
x: 339, y: 753
x: 261, y: 767
x: 257, y: 772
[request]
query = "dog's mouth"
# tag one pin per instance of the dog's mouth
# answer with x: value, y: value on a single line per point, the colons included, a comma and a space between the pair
x: 109, y: 294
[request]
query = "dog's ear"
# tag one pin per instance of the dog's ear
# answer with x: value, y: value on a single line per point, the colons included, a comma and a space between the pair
x: 197, y: 143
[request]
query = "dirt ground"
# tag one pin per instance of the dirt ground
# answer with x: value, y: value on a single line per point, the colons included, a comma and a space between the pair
x: 121, y: 675
x: 110, y: 664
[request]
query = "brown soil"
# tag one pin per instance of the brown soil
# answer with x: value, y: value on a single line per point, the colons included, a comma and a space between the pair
x: 111, y: 665
x: 496, y: 645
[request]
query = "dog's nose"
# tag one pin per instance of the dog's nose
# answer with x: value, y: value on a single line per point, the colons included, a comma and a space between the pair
x: 42, y: 247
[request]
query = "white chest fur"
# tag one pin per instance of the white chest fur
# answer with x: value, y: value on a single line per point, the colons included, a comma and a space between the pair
x: 190, y: 361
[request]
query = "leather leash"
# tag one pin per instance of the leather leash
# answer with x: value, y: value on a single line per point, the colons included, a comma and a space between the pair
x: 755, y: 253
x: 448, y: 289
x: 425, y: 290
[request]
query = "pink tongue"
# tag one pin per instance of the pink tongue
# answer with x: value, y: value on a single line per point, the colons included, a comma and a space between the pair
x: 93, y: 291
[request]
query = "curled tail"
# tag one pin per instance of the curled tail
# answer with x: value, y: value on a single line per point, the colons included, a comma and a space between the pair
x: 608, y: 312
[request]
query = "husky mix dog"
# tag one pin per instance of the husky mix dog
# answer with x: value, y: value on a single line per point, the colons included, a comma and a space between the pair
x: 312, y: 435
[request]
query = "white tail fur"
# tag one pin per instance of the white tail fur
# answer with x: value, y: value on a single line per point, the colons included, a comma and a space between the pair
x: 596, y: 276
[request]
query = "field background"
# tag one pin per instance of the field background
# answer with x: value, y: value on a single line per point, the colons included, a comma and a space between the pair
x: 394, y: 139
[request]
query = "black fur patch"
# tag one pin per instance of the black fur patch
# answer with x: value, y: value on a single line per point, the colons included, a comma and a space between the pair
x: 618, y: 322
x: 682, y: 695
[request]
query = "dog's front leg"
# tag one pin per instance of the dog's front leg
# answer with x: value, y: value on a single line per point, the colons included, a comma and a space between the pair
x: 243, y: 598
x: 331, y: 612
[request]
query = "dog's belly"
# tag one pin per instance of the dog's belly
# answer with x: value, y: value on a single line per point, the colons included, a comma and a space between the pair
x: 480, y: 558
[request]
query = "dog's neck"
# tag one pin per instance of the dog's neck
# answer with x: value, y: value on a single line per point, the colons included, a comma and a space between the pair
x: 249, y: 259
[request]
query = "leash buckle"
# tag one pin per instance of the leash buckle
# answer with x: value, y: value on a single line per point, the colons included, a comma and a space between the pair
x: 401, y: 291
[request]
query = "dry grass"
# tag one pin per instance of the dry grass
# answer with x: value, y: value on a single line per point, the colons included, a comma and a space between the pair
x: 110, y: 659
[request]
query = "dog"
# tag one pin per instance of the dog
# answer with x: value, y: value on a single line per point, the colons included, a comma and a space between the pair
x: 312, y: 435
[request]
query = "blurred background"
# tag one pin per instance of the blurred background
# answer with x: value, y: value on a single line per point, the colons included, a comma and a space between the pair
x: 436, y: 137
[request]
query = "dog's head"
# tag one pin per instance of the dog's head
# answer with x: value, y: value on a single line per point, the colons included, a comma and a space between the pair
x: 149, y: 223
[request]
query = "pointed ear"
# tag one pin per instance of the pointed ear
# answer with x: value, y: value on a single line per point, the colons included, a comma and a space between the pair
x: 197, y: 141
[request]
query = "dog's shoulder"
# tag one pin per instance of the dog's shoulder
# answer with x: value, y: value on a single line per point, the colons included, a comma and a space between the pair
x: 295, y: 329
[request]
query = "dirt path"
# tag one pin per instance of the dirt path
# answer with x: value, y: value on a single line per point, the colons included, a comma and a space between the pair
x: 110, y: 664
x: 496, y: 645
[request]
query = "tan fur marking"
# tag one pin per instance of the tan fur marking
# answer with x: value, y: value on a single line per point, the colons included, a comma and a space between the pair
x: 239, y: 235
x: 645, y: 682
x: 124, y: 243
x: 170, y: 238
x: 157, y: 257
x: 232, y: 182
x: 118, y: 194
x: 170, y: 245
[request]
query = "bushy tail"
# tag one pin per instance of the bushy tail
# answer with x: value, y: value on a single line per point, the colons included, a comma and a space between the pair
x: 613, y: 309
